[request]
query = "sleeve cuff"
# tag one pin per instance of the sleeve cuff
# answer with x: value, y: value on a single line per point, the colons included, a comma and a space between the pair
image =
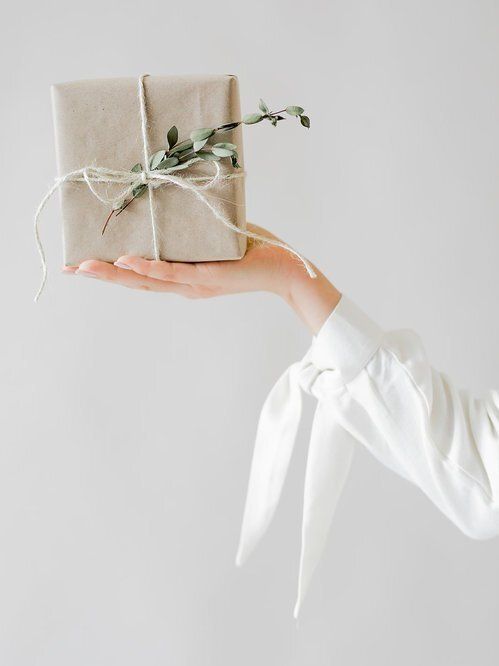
x: 346, y: 341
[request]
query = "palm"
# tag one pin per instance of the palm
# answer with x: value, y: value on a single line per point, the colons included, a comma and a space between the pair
x: 262, y: 268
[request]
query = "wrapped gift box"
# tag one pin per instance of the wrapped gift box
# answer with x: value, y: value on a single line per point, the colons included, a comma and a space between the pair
x: 97, y: 123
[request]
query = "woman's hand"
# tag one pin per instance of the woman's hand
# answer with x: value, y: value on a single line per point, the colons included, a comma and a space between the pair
x: 263, y: 268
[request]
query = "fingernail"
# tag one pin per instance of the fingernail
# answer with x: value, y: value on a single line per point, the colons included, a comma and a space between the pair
x: 120, y: 265
x: 85, y: 273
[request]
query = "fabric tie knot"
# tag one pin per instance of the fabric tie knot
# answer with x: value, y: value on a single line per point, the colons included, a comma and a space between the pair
x: 318, y: 382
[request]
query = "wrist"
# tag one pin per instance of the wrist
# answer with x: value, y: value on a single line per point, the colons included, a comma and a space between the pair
x: 313, y: 299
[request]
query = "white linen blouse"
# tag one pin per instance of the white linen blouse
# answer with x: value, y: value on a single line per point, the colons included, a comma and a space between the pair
x: 378, y: 389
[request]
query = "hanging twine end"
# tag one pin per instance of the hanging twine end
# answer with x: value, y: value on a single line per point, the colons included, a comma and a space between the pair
x: 41, y: 287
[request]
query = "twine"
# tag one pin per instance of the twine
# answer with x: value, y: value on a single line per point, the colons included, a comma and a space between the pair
x: 196, y: 185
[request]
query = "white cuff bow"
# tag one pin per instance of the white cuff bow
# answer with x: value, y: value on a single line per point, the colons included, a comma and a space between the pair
x: 342, y: 347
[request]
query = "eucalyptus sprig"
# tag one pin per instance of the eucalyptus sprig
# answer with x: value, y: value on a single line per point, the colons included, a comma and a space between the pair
x: 181, y: 155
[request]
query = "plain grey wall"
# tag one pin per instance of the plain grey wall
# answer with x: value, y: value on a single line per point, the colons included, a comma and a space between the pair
x: 128, y: 419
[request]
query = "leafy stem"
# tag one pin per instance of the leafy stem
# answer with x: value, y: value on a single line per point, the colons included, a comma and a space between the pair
x: 198, y: 147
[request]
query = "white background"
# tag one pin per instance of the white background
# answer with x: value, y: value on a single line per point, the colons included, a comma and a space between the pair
x: 127, y: 419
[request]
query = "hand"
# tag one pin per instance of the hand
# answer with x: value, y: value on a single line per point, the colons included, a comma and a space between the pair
x: 263, y: 268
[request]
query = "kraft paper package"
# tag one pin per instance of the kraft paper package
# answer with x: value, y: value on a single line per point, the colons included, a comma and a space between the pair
x: 98, y: 123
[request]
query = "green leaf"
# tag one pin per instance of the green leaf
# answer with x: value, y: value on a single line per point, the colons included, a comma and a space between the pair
x: 199, y: 144
x: 156, y: 159
x: 203, y: 133
x: 139, y: 190
x: 182, y: 146
x: 208, y: 156
x: 168, y: 163
x: 172, y: 136
x: 252, y: 118
x: 234, y: 162
x: 229, y: 146
x: 294, y: 110
x: 263, y: 107
x: 227, y: 127
x: 185, y: 165
x: 305, y: 121
x: 273, y: 121
x: 186, y: 153
x: 223, y: 152
x: 224, y: 149
x: 137, y: 168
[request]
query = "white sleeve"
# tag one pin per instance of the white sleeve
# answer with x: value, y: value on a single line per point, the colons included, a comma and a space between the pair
x: 376, y: 388
x: 414, y: 419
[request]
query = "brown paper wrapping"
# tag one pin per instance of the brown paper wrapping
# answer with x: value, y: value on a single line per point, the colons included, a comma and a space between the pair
x: 97, y: 123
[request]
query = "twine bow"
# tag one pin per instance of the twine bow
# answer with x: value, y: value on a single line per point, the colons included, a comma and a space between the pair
x: 92, y: 176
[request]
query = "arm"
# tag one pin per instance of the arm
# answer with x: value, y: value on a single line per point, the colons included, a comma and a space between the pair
x: 410, y: 416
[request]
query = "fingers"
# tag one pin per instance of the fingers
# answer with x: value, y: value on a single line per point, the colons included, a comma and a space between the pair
x: 128, y: 278
x: 159, y: 270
